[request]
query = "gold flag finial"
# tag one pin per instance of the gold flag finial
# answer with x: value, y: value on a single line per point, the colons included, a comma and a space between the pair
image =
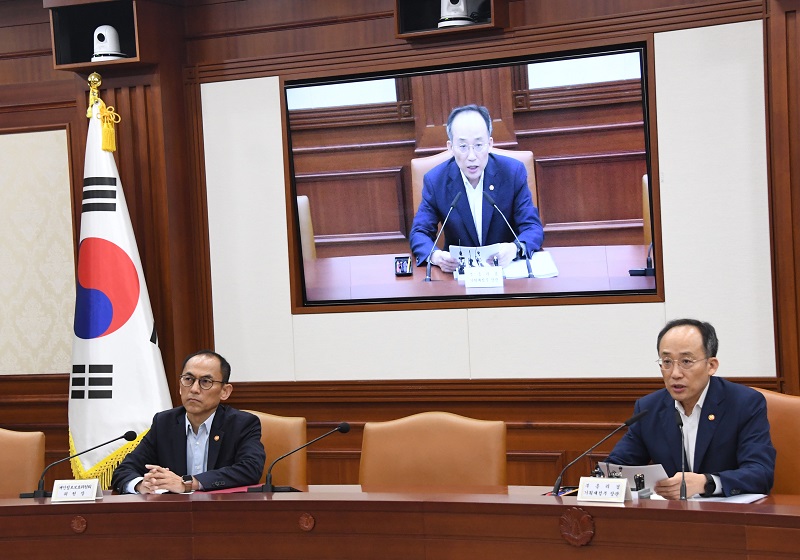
x: 95, y: 81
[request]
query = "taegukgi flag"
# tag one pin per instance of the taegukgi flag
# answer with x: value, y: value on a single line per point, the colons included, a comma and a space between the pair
x: 118, y: 381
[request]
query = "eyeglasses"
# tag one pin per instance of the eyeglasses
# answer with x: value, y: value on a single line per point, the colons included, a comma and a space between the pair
x: 205, y: 382
x: 684, y: 363
x: 478, y: 148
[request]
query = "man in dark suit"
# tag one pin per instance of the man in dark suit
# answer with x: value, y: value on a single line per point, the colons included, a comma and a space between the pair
x: 726, y: 431
x: 202, y: 445
x: 474, y: 222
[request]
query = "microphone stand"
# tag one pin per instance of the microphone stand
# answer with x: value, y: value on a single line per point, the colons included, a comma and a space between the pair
x: 40, y: 492
x: 517, y: 242
x: 633, y: 419
x: 679, y: 421
x: 344, y: 427
x: 438, y: 235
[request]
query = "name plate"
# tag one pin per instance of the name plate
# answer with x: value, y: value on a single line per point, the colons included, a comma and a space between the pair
x: 77, y: 490
x: 594, y: 489
x: 483, y: 277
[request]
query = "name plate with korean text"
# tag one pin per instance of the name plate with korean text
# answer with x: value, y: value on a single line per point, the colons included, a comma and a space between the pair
x: 483, y: 277
x: 77, y: 490
x: 613, y: 490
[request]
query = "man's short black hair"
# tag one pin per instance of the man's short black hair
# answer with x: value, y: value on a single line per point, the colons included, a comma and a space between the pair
x: 224, y: 366
x: 710, y: 342
x: 480, y: 109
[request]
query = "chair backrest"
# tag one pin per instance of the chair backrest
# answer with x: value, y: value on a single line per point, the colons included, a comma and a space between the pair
x: 783, y: 412
x: 434, y: 449
x: 420, y: 166
x: 21, y: 462
x: 648, y: 233
x: 281, y: 434
x: 307, y: 243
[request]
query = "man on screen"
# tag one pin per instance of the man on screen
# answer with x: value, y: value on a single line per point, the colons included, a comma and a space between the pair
x: 725, y: 426
x: 202, y: 445
x: 474, y: 222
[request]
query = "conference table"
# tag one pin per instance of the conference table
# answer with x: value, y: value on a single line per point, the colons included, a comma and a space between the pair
x: 581, y: 270
x: 351, y: 522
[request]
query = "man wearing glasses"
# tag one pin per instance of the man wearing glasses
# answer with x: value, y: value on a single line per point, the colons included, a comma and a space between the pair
x: 202, y: 445
x: 474, y: 170
x: 725, y: 426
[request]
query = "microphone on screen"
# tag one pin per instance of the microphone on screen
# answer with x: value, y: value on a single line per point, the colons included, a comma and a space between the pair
x: 344, y: 427
x: 679, y: 422
x: 629, y: 422
x: 517, y: 242
x: 438, y: 235
x: 40, y: 491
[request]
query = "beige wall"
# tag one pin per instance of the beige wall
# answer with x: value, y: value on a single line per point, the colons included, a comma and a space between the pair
x: 715, y: 229
x: 37, y: 279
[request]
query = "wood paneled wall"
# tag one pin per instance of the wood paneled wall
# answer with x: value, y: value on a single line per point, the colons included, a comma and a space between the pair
x: 161, y: 162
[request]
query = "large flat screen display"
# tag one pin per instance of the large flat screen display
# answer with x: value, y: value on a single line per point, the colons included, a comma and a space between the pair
x: 577, y: 124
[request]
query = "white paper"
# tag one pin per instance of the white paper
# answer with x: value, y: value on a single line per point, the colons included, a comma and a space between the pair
x: 542, y: 264
x: 652, y: 473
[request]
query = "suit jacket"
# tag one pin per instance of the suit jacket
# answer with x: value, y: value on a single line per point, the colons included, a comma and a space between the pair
x: 511, y: 193
x: 734, y: 445
x: 235, y: 453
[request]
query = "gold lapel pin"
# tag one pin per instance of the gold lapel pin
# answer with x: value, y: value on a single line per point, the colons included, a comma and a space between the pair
x: 216, y: 438
x: 711, y: 417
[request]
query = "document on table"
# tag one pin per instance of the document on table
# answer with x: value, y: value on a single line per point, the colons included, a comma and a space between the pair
x: 652, y: 473
x: 542, y: 264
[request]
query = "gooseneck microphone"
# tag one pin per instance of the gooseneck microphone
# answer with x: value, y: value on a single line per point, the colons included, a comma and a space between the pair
x: 40, y: 491
x: 516, y: 238
x: 438, y: 235
x: 344, y: 427
x: 679, y: 422
x: 630, y: 421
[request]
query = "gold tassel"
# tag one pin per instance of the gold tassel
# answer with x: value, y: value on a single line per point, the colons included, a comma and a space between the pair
x: 102, y: 470
x: 109, y: 119
x: 105, y: 114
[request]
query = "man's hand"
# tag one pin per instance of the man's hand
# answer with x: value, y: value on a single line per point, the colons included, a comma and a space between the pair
x: 443, y: 260
x: 670, y: 488
x: 159, y: 478
x: 506, y: 254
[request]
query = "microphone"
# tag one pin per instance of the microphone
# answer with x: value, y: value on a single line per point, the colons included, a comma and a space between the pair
x: 516, y: 239
x: 40, y: 491
x: 630, y: 421
x: 435, y: 241
x: 679, y: 421
x: 344, y: 427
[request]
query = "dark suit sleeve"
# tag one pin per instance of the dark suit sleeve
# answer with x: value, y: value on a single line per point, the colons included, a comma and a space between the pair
x: 426, y: 220
x: 133, y: 466
x: 525, y: 216
x: 755, y: 454
x: 631, y: 449
x: 241, y: 457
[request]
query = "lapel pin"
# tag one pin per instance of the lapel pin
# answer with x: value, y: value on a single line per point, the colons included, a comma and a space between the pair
x: 711, y: 417
x: 216, y: 438
x: 491, y: 187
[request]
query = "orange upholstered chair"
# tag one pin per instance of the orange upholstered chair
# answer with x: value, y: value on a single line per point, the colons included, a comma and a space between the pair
x: 21, y: 462
x: 783, y: 412
x: 434, y: 449
x: 281, y: 434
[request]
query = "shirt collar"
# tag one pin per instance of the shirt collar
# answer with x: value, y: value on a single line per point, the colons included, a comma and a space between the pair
x: 699, y: 405
x: 207, y: 423
x: 468, y: 185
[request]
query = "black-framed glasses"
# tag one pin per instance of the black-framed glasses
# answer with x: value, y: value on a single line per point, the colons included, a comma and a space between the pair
x: 205, y: 382
x: 683, y: 363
